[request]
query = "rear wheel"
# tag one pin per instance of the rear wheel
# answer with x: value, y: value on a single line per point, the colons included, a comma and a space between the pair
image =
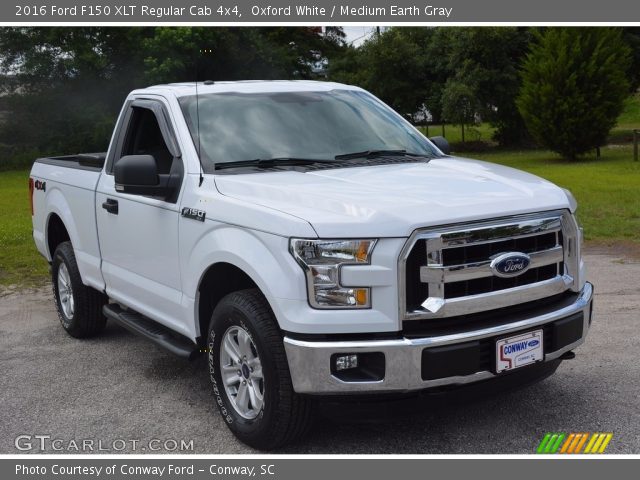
x: 250, y: 374
x: 79, y: 307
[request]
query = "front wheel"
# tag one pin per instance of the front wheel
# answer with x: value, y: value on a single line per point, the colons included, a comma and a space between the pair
x: 250, y: 374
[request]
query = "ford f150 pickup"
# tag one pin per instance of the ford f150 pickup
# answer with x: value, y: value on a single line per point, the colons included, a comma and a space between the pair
x: 312, y: 242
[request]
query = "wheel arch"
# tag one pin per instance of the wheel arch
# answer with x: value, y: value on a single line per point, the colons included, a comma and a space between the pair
x: 218, y: 280
x: 59, y: 226
x: 228, y: 259
x: 56, y: 233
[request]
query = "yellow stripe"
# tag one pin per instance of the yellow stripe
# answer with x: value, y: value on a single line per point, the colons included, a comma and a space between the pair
x: 581, y: 443
x: 567, y: 442
x: 606, y: 441
x: 575, y: 442
x: 592, y: 440
x: 596, y: 445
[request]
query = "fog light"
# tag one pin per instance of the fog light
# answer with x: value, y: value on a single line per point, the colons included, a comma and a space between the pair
x: 345, y: 362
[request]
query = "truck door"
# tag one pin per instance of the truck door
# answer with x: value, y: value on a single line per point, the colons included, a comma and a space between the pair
x: 139, y: 234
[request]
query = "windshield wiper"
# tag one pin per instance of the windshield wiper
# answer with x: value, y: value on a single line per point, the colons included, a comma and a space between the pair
x: 378, y: 153
x: 270, y: 162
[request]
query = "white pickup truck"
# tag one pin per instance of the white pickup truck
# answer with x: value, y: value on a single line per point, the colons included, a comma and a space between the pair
x: 312, y: 242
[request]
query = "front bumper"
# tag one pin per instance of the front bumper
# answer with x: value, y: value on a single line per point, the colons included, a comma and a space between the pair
x: 310, y: 361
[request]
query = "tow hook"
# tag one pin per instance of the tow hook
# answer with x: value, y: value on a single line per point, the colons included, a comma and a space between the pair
x: 568, y: 356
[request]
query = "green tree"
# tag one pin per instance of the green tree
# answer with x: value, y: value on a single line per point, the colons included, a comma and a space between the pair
x: 394, y: 66
x: 62, y: 88
x: 574, y: 86
x: 459, y: 104
x: 486, y: 60
x: 410, y: 67
x: 172, y: 54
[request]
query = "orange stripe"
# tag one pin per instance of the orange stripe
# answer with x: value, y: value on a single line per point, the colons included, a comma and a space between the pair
x: 575, y: 442
x: 581, y: 444
x: 567, y: 442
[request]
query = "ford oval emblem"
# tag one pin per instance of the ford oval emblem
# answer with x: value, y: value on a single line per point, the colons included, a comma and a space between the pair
x: 533, y: 343
x: 510, y: 264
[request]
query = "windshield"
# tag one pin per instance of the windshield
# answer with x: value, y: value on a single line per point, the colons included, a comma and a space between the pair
x: 237, y: 127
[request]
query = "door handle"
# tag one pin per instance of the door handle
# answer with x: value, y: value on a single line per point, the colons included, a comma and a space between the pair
x: 111, y: 206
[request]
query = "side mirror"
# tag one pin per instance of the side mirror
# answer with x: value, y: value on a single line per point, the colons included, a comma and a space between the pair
x: 138, y: 174
x: 442, y: 144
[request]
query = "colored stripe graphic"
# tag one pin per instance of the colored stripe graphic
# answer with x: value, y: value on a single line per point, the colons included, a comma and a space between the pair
x: 581, y: 443
x: 556, y: 445
x: 573, y: 443
x: 543, y: 443
x: 567, y: 442
x: 605, y: 443
x: 591, y: 442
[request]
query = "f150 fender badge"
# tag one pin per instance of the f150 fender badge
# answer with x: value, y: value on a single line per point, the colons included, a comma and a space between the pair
x: 193, y: 213
x: 510, y: 264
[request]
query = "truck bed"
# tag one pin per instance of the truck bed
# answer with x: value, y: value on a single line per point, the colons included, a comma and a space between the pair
x: 82, y: 161
x: 66, y: 188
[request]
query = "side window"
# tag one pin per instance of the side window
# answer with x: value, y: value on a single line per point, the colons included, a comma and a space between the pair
x: 144, y: 137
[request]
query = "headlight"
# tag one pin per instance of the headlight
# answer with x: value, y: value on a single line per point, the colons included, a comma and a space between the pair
x: 321, y: 260
x: 573, y: 203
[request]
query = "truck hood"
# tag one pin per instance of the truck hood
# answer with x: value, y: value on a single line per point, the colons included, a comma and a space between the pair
x: 394, y: 200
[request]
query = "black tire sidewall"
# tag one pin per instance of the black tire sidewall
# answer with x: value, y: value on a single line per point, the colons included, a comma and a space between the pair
x: 225, y: 316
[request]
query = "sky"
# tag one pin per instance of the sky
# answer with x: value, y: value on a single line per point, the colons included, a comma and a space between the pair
x: 357, y: 35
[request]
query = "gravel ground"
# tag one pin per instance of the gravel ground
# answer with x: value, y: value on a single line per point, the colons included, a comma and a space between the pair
x: 119, y: 388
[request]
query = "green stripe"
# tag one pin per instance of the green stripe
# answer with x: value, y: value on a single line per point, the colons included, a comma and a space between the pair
x: 550, y: 443
x: 543, y: 443
x: 556, y: 446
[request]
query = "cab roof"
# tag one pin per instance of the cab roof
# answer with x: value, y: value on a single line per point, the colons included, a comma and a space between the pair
x: 246, y: 86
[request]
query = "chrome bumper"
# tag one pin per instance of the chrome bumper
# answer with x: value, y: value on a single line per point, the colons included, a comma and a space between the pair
x: 309, y: 361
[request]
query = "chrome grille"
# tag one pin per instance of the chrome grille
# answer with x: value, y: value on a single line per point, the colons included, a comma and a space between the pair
x: 447, y: 271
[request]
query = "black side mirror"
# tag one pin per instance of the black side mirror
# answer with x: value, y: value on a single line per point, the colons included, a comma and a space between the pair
x: 138, y: 174
x: 442, y: 144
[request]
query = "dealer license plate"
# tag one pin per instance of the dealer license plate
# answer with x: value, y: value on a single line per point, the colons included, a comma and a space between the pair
x: 518, y: 351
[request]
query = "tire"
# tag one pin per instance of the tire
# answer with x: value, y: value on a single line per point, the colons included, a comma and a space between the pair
x: 79, y: 307
x: 283, y: 416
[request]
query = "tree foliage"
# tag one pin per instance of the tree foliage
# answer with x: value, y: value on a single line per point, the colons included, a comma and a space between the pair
x: 411, y: 67
x: 459, y: 105
x: 62, y: 88
x: 394, y: 66
x: 486, y: 60
x: 574, y: 86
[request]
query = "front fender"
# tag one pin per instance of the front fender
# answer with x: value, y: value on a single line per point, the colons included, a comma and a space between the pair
x: 264, y: 257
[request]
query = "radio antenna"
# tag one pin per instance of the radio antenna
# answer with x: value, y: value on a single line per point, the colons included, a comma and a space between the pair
x: 198, y: 124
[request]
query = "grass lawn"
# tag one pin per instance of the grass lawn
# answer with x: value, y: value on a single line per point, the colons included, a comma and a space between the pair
x: 628, y: 120
x: 453, y: 133
x: 20, y: 262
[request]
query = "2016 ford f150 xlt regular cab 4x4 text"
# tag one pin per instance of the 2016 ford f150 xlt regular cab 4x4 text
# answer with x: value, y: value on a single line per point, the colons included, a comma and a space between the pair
x: 312, y: 242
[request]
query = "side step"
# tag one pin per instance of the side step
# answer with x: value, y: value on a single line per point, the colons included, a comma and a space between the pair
x: 159, y: 334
